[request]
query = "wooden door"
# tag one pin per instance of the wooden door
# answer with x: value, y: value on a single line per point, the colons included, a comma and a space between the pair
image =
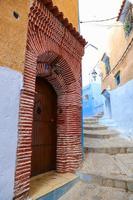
x: 44, y: 128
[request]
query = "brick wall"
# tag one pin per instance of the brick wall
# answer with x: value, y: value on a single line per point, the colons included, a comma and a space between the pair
x: 52, y: 40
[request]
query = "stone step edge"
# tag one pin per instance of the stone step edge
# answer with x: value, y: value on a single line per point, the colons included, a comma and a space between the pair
x: 127, y: 185
x: 104, y: 136
x: 90, y: 119
x: 60, y: 191
x: 95, y: 128
x: 109, y: 150
x: 91, y: 123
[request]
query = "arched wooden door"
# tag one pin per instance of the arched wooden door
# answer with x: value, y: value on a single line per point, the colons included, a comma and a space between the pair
x: 44, y: 135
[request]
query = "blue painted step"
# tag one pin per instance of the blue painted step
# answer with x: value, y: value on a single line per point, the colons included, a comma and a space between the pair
x: 57, y: 193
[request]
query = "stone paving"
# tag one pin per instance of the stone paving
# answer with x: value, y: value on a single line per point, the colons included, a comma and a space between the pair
x: 84, y: 191
x: 107, y: 171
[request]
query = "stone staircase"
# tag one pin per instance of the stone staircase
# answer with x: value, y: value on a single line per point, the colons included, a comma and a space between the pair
x: 99, y: 138
x: 107, y: 170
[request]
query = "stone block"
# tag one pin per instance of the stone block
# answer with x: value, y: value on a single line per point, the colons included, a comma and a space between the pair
x: 130, y: 186
x: 108, y: 182
x: 130, y: 150
x: 120, y: 184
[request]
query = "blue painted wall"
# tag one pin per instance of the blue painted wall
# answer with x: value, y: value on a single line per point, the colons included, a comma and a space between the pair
x: 94, y: 103
x: 122, y: 107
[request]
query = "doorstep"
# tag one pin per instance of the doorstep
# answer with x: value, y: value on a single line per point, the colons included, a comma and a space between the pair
x: 51, y: 184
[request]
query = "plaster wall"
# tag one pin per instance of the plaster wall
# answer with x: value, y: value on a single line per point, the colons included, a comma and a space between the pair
x: 10, y: 85
x: 116, y: 46
x: 87, y: 102
x: 13, y: 33
x: 122, y: 107
x: 97, y: 98
x: 70, y: 10
x: 94, y: 104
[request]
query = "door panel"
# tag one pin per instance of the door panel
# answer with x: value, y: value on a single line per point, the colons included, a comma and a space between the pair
x: 44, y: 135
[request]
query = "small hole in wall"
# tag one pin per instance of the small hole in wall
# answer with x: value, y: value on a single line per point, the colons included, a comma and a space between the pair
x: 16, y: 15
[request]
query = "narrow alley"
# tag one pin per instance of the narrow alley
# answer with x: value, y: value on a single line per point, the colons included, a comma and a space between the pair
x: 66, y: 100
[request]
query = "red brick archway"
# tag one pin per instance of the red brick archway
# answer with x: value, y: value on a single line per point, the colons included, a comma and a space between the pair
x: 51, y: 41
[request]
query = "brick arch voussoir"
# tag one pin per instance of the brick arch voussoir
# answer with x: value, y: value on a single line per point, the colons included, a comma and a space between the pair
x: 53, y: 57
x: 57, y: 83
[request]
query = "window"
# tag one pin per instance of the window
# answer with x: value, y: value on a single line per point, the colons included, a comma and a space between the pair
x: 117, y: 78
x: 128, y: 22
x: 106, y: 61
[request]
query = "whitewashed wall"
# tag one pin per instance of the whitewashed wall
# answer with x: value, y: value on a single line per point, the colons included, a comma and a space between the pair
x: 122, y: 107
x: 10, y: 86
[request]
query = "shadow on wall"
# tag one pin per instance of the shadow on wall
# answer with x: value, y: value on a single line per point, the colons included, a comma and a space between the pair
x: 10, y: 86
x: 120, y: 101
x: 107, y: 104
x: 122, y: 107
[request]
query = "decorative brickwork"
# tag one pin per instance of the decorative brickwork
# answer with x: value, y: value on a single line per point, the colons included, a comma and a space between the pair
x: 59, y: 46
